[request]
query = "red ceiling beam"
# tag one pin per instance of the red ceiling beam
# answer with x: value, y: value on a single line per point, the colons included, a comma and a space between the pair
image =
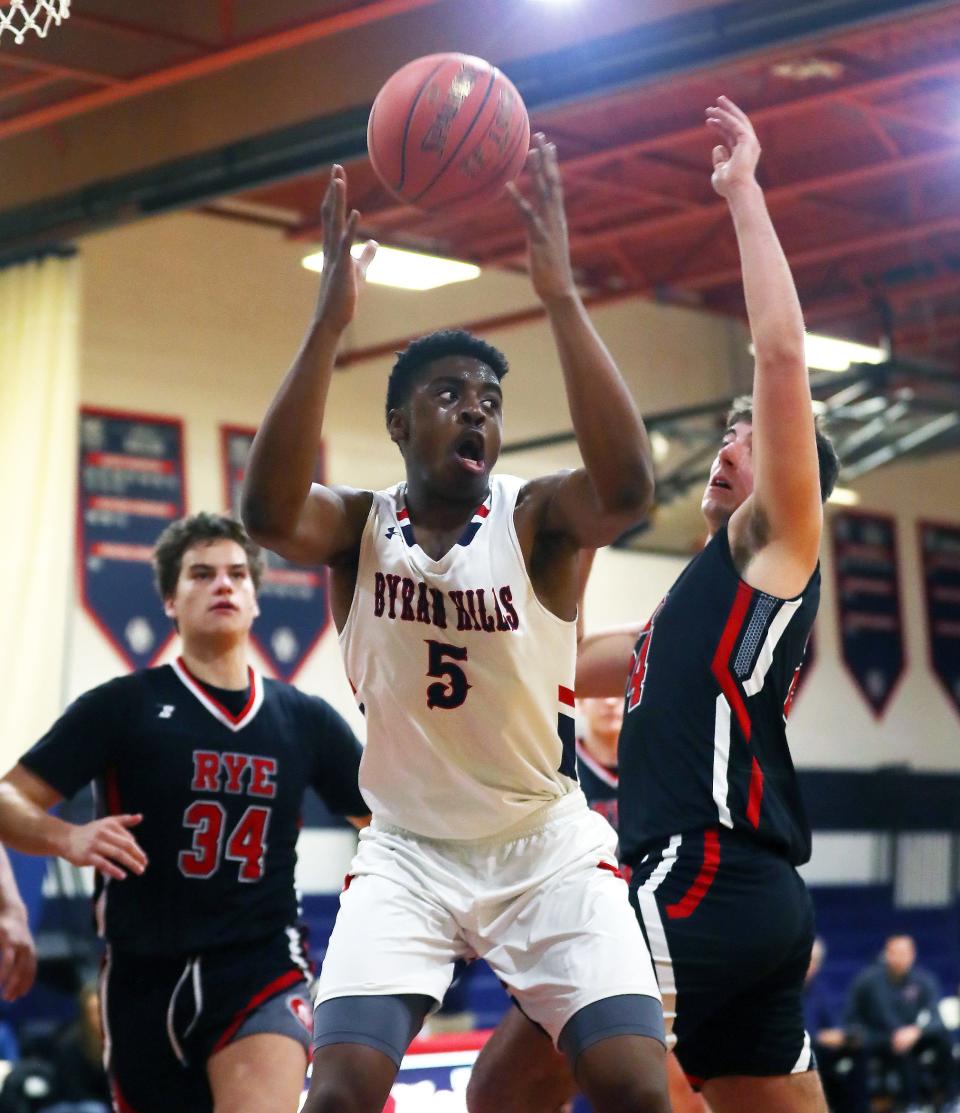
x: 216, y: 62
x: 842, y: 249
x: 836, y: 249
x: 31, y: 85
x: 137, y: 30
x: 777, y: 196
x: 904, y: 293
x: 23, y: 61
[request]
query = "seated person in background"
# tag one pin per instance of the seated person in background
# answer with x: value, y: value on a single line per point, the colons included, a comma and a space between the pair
x: 840, y: 1057
x: 893, y: 1010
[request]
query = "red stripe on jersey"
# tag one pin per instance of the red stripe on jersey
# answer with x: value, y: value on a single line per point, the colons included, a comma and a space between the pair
x: 687, y: 905
x: 756, y: 794
x: 403, y: 515
x: 615, y: 870
x: 721, y: 659
x: 111, y: 790
x: 201, y: 687
x: 566, y: 695
x: 292, y: 977
x: 123, y: 1106
x: 482, y: 511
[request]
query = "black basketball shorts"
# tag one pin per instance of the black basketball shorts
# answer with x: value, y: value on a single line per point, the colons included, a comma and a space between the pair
x: 164, y: 1017
x: 730, y: 928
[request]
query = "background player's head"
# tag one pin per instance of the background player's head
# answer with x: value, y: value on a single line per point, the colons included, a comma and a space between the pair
x: 208, y: 572
x: 899, y: 955
x: 444, y: 411
x: 600, y: 722
x: 731, y: 473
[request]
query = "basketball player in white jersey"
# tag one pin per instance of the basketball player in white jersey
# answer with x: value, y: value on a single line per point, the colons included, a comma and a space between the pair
x: 455, y: 594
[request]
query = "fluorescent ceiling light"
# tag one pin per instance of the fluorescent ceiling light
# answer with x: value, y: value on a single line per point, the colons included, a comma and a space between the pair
x: 406, y: 270
x: 827, y: 353
x: 844, y: 496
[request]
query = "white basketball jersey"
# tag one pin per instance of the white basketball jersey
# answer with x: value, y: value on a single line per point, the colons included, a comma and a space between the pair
x: 465, y: 678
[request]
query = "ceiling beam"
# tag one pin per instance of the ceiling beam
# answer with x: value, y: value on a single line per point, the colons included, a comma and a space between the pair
x: 216, y: 62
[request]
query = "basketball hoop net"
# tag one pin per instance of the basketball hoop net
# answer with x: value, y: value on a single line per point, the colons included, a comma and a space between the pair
x: 21, y: 16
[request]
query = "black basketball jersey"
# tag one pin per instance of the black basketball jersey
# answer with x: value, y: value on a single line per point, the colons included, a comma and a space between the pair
x: 599, y: 783
x: 703, y: 741
x: 220, y: 792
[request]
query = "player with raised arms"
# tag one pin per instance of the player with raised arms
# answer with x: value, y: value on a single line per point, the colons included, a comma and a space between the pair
x: 455, y: 594
x: 711, y: 820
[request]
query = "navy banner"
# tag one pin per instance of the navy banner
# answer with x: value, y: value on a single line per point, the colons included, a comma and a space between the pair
x: 940, y: 560
x: 868, y: 603
x: 131, y: 487
x: 293, y: 598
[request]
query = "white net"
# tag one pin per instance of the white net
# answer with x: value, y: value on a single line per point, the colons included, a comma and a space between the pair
x: 21, y: 16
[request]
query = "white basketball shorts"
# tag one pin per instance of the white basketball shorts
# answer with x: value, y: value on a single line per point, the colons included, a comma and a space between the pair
x: 546, y: 908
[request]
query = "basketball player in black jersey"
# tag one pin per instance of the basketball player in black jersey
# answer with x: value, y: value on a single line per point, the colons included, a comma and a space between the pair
x: 199, y: 770
x: 711, y: 820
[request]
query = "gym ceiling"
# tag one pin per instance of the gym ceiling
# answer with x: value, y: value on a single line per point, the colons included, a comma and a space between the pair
x: 238, y: 107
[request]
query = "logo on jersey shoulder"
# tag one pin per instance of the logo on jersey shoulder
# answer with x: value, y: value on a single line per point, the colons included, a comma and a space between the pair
x: 166, y: 710
x: 300, y: 1007
x: 391, y: 533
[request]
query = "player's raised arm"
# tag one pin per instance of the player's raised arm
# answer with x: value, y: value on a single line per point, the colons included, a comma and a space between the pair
x: 25, y: 825
x: 785, y: 512
x: 615, y: 489
x: 281, y: 509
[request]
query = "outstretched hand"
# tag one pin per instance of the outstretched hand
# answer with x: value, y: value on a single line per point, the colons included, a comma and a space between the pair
x: 108, y: 845
x: 342, y: 275
x: 735, y: 157
x: 546, y: 224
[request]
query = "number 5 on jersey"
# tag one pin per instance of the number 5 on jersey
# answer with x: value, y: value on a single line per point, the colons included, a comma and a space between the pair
x: 453, y: 691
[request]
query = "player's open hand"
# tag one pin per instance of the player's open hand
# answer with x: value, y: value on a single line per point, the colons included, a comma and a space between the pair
x: 736, y: 155
x: 546, y: 224
x: 18, y: 956
x: 108, y: 845
x: 342, y: 275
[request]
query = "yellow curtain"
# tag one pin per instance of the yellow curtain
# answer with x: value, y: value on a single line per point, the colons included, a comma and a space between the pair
x: 39, y: 393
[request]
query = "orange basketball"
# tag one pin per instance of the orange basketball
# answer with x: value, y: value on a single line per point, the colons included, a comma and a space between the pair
x: 447, y: 130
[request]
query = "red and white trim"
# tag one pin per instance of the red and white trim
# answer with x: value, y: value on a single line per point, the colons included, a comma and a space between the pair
x: 656, y: 935
x: 805, y: 1059
x: 566, y: 701
x: 721, y: 760
x: 216, y: 709
x: 608, y: 776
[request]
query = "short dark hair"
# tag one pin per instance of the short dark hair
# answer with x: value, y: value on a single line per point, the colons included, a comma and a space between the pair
x: 827, y: 459
x: 200, y: 529
x: 436, y: 345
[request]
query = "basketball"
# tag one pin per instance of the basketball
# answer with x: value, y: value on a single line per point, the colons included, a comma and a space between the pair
x: 447, y: 130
